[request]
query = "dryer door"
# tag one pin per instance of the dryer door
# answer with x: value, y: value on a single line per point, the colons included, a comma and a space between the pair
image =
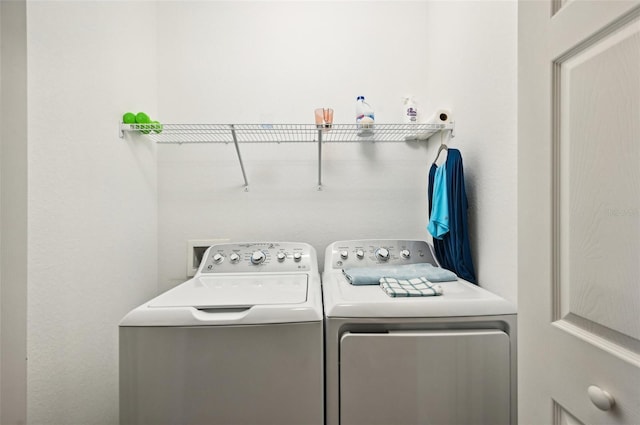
x: 425, y: 377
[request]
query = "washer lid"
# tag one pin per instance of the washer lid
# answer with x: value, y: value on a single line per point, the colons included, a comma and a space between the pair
x: 236, y: 290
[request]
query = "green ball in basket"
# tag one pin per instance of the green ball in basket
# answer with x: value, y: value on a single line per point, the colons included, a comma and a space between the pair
x: 142, y: 118
x: 129, y: 118
x: 157, y: 127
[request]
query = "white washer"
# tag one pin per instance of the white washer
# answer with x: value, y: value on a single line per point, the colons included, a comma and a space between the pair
x: 239, y: 343
x: 449, y: 359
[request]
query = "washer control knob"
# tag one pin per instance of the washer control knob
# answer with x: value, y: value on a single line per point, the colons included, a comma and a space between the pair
x: 382, y: 254
x: 360, y: 254
x: 281, y: 256
x: 258, y: 257
x: 218, y: 258
x: 344, y: 254
x: 297, y: 256
x: 234, y: 258
x: 405, y: 253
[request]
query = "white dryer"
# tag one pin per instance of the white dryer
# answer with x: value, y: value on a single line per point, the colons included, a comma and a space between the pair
x: 239, y: 343
x: 448, y: 359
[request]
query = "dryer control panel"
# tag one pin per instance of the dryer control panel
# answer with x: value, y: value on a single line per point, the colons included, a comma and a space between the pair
x: 262, y: 257
x: 375, y: 252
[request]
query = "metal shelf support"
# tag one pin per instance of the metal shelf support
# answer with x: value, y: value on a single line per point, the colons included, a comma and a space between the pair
x: 235, y: 142
x: 319, y: 159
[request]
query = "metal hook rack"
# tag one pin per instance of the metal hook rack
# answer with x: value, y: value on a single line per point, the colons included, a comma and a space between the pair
x: 284, y: 133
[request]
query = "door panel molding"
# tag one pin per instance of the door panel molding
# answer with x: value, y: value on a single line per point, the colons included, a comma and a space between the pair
x: 589, y: 312
x: 617, y: 344
x: 566, y: 24
x: 556, y: 5
x: 562, y: 416
x: 598, y: 36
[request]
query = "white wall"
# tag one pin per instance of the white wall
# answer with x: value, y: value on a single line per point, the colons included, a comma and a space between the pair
x: 92, y: 200
x: 472, y: 50
x: 229, y: 62
x: 247, y: 62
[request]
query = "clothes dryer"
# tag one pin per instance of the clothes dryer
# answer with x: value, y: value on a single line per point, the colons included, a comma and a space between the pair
x: 448, y: 359
x: 239, y: 343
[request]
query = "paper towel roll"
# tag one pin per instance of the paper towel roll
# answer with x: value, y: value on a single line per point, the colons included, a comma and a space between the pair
x: 441, y: 116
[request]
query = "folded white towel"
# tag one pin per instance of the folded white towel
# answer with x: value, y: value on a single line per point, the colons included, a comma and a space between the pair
x: 372, y: 275
x: 417, y: 287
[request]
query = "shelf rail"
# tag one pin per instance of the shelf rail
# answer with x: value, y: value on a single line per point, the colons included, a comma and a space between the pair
x: 284, y: 133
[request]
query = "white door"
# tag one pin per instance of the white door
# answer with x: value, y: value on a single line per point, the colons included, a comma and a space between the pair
x: 579, y: 212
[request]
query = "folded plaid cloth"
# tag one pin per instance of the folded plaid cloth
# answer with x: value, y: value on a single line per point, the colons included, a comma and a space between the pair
x: 372, y: 275
x: 418, y: 287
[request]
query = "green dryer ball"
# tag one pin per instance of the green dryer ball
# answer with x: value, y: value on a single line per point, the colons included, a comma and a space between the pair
x: 142, y: 118
x: 157, y: 127
x: 129, y: 118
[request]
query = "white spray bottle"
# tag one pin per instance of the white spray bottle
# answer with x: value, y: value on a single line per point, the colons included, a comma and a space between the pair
x: 409, y: 111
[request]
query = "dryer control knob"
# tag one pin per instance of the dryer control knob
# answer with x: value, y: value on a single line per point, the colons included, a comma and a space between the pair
x: 344, y: 254
x: 234, y: 258
x: 405, y: 253
x: 297, y: 256
x: 281, y: 256
x: 382, y: 254
x: 218, y: 258
x: 360, y: 254
x: 258, y: 257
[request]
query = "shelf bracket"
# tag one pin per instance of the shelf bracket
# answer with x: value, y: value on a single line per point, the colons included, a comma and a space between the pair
x: 235, y: 142
x: 319, y: 159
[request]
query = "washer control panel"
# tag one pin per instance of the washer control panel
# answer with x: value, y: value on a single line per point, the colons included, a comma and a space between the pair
x: 259, y: 257
x: 375, y: 252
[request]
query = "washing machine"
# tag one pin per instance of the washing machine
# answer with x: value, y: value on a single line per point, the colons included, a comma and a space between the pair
x: 447, y: 359
x: 239, y: 343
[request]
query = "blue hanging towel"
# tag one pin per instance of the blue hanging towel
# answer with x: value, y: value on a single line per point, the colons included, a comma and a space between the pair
x: 453, y: 250
x: 439, y: 219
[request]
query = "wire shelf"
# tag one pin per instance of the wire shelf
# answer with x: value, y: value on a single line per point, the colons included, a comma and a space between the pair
x: 283, y: 133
